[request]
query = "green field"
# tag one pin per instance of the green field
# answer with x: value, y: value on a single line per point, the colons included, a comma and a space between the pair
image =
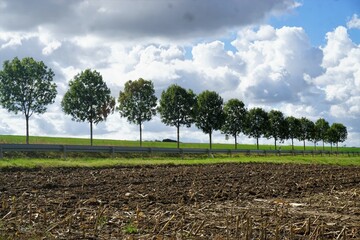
x: 108, y: 142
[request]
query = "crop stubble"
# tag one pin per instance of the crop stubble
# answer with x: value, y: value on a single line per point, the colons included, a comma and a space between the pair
x: 222, y: 201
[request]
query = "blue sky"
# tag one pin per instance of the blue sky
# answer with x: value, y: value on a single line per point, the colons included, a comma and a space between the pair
x: 318, y: 17
x: 300, y: 57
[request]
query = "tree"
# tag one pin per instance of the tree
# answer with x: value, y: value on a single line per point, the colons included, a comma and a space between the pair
x: 336, y: 133
x: 321, y: 128
x: 210, y: 114
x: 235, y: 118
x: 138, y: 102
x: 177, y: 108
x: 257, y: 124
x: 306, y: 130
x: 88, y: 99
x: 293, y: 129
x: 26, y: 86
x: 277, y: 128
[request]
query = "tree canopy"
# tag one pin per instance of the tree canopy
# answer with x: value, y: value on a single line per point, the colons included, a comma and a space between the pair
x: 210, y: 115
x: 277, y: 128
x: 177, y: 108
x: 321, y: 129
x: 88, y: 99
x: 307, y: 128
x: 26, y: 86
x: 336, y: 133
x: 257, y: 124
x: 137, y: 102
x: 294, y: 129
x: 235, y: 118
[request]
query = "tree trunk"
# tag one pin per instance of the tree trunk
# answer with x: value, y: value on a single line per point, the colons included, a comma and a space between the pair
x: 235, y: 142
x: 337, y: 146
x: 292, y: 144
x: 27, y: 129
x: 178, y: 136
x: 304, y: 145
x: 315, y: 145
x: 91, y: 133
x: 210, y: 140
x: 323, y: 146
x: 257, y: 143
x: 275, y: 143
x: 140, y: 135
x: 91, y: 124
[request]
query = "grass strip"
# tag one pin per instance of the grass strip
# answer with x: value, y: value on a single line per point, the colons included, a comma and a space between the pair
x: 112, y: 162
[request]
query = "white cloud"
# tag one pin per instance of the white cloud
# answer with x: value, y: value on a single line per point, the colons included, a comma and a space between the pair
x: 152, y: 62
x: 276, y: 60
x: 338, y: 46
x: 13, y: 39
x: 50, y: 43
x: 337, y: 111
x: 354, y: 22
x: 299, y: 110
x: 212, y: 55
x: 341, y: 79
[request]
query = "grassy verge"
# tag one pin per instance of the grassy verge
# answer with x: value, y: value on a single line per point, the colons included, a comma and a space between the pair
x: 108, y: 162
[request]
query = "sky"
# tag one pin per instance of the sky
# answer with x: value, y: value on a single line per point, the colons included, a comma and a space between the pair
x: 301, y: 57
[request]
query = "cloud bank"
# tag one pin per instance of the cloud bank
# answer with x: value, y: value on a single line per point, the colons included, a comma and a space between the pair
x: 129, y: 19
x: 165, y: 41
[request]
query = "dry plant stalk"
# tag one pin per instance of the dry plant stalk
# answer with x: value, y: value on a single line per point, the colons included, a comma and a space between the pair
x: 166, y: 224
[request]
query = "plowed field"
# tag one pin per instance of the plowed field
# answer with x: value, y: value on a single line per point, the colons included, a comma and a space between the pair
x: 225, y: 201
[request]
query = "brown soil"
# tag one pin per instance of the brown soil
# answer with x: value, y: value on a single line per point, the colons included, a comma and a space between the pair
x: 225, y: 201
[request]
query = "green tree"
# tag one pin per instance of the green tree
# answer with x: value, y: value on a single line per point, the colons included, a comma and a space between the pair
x: 336, y: 133
x: 257, y: 124
x: 306, y: 130
x: 177, y: 108
x: 88, y: 99
x: 138, y: 102
x: 26, y: 86
x: 235, y: 118
x: 321, y: 129
x: 277, y: 128
x: 210, y: 114
x: 293, y: 125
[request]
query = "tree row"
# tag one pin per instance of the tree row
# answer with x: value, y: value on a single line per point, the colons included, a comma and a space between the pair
x: 27, y: 87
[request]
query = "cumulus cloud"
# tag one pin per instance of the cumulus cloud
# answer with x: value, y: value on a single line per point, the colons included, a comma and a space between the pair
x: 133, y: 19
x: 277, y: 63
x: 337, y: 47
x: 340, y: 81
x: 354, y: 22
